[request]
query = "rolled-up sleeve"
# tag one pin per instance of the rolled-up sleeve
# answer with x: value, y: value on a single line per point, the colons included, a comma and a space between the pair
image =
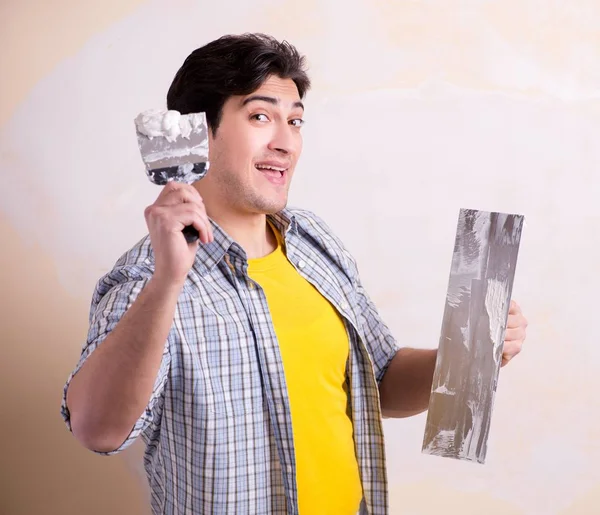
x: 114, y: 295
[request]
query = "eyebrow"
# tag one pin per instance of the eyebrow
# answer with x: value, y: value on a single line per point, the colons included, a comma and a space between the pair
x: 270, y: 100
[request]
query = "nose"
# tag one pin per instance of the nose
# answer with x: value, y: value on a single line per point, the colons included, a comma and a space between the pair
x: 284, y: 140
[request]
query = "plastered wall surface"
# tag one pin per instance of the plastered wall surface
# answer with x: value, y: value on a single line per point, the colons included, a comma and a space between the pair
x: 418, y: 108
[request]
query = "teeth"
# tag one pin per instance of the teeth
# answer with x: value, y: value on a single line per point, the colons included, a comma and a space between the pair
x: 266, y: 167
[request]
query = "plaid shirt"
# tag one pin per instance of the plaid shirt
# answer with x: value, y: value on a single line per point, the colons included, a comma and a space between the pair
x: 217, y: 426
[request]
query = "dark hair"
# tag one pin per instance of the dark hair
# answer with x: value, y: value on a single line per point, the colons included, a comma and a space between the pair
x: 232, y: 65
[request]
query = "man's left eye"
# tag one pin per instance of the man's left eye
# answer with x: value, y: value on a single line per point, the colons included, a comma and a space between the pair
x: 298, y: 122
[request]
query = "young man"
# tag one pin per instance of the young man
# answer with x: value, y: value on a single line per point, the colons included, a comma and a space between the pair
x: 252, y: 362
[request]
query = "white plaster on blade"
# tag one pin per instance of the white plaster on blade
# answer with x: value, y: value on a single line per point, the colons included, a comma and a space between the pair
x: 467, y: 263
x: 168, y: 124
x: 469, y: 445
x: 481, y: 228
x: 171, y: 153
x: 496, y: 299
x: 444, y: 390
x: 444, y: 439
x: 453, y: 299
x: 465, y: 336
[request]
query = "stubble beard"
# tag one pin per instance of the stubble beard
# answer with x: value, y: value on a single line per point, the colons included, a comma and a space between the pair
x: 242, y: 197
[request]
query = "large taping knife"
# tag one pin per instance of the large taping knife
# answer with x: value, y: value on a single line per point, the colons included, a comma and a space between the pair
x: 470, y: 348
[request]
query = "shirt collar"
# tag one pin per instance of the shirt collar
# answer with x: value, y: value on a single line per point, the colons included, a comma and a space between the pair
x: 209, y: 255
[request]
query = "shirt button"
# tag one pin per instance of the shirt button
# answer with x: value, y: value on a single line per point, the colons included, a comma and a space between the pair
x: 229, y: 264
x: 344, y: 306
x: 301, y: 264
x: 250, y: 285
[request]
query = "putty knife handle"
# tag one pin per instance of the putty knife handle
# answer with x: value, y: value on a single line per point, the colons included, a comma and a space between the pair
x: 190, y: 233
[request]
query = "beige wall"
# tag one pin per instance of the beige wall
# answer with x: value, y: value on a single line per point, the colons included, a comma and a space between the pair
x: 418, y: 108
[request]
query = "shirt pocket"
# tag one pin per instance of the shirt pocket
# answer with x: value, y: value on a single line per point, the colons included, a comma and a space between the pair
x: 227, y: 380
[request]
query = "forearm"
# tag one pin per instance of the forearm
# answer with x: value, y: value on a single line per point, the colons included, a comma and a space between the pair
x: 114, y: 385
x: 406, y: 385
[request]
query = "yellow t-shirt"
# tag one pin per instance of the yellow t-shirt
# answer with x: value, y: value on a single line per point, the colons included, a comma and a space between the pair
x: 314, y: 348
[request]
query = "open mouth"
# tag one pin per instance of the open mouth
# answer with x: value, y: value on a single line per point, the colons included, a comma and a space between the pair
x: 269, y: 170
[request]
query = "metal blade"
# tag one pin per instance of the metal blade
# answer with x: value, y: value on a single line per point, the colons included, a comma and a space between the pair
x: 184, y: 159
x: 472, y: 335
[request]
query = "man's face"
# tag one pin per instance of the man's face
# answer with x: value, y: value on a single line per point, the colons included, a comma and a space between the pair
x: 255, y: 150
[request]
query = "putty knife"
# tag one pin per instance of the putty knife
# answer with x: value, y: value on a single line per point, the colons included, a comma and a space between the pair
x: 174, y: 147
x: 470, y: 348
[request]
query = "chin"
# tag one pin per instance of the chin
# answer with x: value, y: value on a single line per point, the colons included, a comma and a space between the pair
x: 270, y: 207
x: 275, y: 209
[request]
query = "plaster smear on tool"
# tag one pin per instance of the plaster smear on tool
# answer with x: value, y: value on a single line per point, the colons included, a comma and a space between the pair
x: 444, y: 389
x: 174, y: 147
x: 495, y: 305
x: 444, y: 439
x: 185, y: 174
x: 472, y: 439
x: 156, y: 123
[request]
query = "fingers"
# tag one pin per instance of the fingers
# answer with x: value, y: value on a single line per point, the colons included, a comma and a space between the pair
x: 174, y: 217
x: 176, y: 193
x: 514, y: 308
x: 185, y: 204
x: 191, y: 214
x: 516, y: 334
x: 510, y: 350
x: 516, y: 320
x: 514, y: 337
x: 516, y: 328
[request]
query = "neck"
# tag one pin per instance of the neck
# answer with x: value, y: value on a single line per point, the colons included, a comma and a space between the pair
x: 251, y: 232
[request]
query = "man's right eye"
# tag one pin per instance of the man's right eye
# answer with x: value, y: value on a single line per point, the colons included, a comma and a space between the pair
x: 260, y: 117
